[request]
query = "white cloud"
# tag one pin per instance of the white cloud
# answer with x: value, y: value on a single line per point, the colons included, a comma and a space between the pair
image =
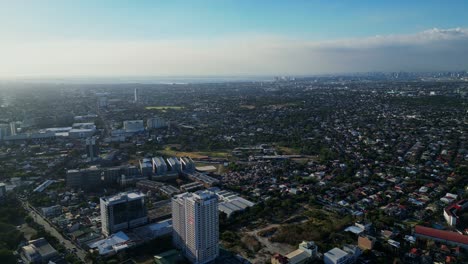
x: 435, y: 49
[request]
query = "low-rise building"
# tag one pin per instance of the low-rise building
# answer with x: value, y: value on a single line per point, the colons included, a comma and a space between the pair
x: 366, y: 242
x: 306, y: 251
x: 347, y: 255
x: 38, y: 251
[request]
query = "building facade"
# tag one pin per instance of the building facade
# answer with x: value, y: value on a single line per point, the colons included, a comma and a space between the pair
x: 123, y: 211
x: 195, y: 225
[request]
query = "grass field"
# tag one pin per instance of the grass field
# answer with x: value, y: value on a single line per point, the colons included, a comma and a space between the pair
x: 194, y: 155
x: 164, y: 107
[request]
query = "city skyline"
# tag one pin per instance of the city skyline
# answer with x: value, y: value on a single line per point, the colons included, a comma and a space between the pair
x: 112, y: 39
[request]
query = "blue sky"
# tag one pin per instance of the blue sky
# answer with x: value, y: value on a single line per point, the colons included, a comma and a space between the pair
x: 146, y: 19
x: 206, y: 23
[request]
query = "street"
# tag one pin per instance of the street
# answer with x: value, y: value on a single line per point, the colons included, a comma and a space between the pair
x: 65, y: 242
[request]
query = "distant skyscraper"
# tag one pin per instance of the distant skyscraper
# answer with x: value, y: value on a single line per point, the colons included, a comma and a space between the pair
x: 136, y: 95
x: 123, y: 211
x: 195, y: 225
x: 92, y: 149
x: 12, y: 128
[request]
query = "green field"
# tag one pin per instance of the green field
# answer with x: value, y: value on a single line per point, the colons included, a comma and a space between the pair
x: 164, y: 107
x: 195, y: 154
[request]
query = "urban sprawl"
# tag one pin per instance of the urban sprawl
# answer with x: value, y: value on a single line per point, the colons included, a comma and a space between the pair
x: 368, y: 168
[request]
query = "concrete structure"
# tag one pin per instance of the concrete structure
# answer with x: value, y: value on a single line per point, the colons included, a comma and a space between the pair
x: 169, y: 257
x: 112, y: 244
x: 336, y: 256
x: 451, y: 213
x: 13, y: 128
x: 4, y: 130
x: 85, y: 179
x: 43, y: 186
x: 306, y: 251
x: 173, y: 165
x: 347, y: 255
x: 446, y: 237
x: 159, y: 166
x: 102, y: 101
x: 230, y: 202
x: 195, y: 225
x: 2, y: 189
x: 146, y: 168
x: 123, y: 211
x: 158, y: 187
x: 82, y: 130
x: 155, y: 122
x: 135, y: 98
x: 279, y: 259
x: 187, y: 164
x: 366, y: 242
x: 38, y: 251
x: 92, y: 149
x: 50, y: 211
x: 30, y: 136
x: 204, y: 179
x: 133, y: 126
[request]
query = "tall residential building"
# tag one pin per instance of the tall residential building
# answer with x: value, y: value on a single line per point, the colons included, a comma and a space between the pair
x: 195, y: 225
x: 123, y: 211
x: 86, y: 179
x: 136, y: 95
x: 2, y: 189
x: 92, y: 150
x: 4, y: 130
x: 155, y: 122
x: 12, y: 128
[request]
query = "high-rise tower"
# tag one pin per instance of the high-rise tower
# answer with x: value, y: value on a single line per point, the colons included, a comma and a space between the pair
x: 195, y: 225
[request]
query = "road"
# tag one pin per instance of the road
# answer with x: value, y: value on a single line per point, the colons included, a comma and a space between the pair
x: 49, y: 228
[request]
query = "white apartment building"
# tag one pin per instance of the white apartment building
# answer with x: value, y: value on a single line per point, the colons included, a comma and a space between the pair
x: 195, y: 225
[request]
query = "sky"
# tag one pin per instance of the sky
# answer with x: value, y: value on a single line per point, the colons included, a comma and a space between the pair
x: 112, y: 38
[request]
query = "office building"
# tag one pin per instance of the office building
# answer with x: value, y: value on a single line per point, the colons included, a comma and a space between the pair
x: 123, y: 211
x: 85, y: 179
x: 195, y: 225
x: 135, y: 99
x: 92, y: 149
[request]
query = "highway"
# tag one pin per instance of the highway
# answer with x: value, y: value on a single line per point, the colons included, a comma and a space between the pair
x: 49, y: 228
